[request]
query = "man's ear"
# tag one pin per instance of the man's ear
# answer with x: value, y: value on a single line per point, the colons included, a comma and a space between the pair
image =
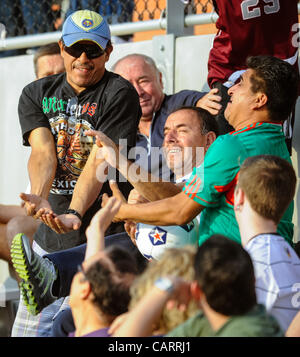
x: 61, y: 46
x: 261, y: 99
x: 161, y: 80
x: 210, y: 138
x: 85, y: 290
x: 239, y: 196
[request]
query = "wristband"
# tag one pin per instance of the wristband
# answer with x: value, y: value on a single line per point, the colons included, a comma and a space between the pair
x: 72, y: 211
x: 164, y: 284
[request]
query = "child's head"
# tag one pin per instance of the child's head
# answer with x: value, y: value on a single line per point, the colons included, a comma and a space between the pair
x: 269, y: 184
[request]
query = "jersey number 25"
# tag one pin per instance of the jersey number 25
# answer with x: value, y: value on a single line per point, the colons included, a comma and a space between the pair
x: 248, y: 13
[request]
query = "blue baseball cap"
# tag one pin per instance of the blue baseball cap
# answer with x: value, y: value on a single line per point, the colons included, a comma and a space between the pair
x: 85, y: 25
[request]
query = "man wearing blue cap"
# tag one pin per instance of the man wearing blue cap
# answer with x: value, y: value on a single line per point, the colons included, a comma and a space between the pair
x: 54, y: 113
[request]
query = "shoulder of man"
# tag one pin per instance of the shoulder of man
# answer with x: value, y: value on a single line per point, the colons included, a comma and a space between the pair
x: 181, y: 98
x: 255, y: 323
x: 227, y: 143
x: 187, y: 93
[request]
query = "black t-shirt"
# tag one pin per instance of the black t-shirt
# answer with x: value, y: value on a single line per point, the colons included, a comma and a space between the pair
x: 111, y: 105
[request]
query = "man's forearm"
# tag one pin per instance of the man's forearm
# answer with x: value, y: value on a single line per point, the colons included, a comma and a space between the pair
x: 145, y: 183
x: 88, y: 186
x: 176, y: 210
x: 41, y: 170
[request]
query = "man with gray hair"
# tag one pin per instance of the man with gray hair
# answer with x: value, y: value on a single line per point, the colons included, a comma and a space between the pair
x: 141, y: 71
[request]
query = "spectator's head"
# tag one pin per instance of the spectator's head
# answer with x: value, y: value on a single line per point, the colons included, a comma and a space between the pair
x: 225, y: 281
x: 102, y: 284
x: 178, y: 262
x: 47, y: 61
x: 266, y: 185
x: 142, y: 73
x: 188, y: 133
x: 85, y: 47
x: 267, y: 91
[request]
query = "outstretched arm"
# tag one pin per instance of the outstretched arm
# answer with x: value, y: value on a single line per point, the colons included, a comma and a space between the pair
x: 41, y: 169
x: 145, y: 183
x: 98, y: 225
x: 175, y: 210
x: 86, y: 190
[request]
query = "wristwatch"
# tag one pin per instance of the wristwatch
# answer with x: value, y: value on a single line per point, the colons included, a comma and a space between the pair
x: 164, y: 284
x: 72, y: 211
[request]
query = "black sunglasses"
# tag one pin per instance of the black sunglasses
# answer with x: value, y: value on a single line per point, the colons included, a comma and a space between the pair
x: 91, y: 51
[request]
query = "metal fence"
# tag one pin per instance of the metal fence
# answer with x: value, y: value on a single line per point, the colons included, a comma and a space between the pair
x: 31, y: 23
x: 28, y: 17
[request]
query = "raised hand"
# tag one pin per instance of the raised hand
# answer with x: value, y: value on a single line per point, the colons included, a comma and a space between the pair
x: 211, y: 102
x: 108, y: 150
x: 118, y: 195
x: 130, y: 228
x: 103, y: 218
x: 99, y: 224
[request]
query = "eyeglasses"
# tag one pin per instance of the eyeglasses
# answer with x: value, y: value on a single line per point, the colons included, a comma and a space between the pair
x: 91, y: 51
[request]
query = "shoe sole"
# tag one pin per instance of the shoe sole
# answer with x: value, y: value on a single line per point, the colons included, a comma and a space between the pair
x: 20, y: 263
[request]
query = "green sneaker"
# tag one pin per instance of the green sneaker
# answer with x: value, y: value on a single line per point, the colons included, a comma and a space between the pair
x: 38, y: 275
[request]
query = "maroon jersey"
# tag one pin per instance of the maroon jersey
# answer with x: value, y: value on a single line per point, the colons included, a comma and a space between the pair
x: 251, y: 28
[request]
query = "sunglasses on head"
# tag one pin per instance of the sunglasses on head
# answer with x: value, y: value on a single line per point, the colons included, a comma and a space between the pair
x: 92, y: 51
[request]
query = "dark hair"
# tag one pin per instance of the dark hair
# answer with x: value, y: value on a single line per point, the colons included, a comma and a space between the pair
x: 111, y: 289
x: 225, y: 273
x: 46, y: 50
x: 264, y: 178
x: 279, y: 81
x: 207, y: 121
x: 124, y: 261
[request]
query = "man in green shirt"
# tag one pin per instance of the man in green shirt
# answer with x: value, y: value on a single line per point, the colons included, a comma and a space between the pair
x: 259, y: 104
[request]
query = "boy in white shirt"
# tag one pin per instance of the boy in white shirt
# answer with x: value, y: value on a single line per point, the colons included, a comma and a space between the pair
x: 265, y: 188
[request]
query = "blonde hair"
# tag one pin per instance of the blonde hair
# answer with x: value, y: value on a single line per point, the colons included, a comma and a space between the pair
x: 174, y: 262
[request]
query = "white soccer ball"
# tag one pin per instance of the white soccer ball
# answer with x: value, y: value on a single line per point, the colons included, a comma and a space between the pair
x: 152, y: 241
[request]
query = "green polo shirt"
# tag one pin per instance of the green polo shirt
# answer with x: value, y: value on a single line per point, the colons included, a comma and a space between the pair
x: 212, y: 184
x: 255, y: 323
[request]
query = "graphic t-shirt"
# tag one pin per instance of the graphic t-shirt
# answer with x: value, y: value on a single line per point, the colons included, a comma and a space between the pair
x: 212, y: 184
x: 111, y: 105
